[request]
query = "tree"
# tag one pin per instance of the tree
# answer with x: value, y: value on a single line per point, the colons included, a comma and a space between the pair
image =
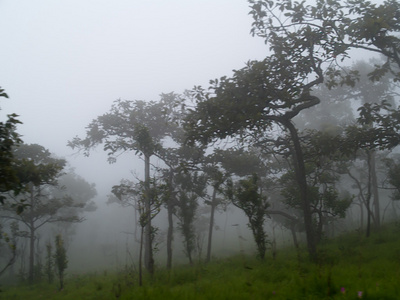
x: 181, y: 161
x: 393, y: 175
x: 377, y: 128
x: 310, y: 39
x: 224, y: 164
x: 255, y: 98
x: 332, y: 29
x: 130, y: 194
x: 247, y: 197
x: 191, y: 186
x: 368, y: 92
x: 179, y: 158
x: 40, y: 172
x: 60, y: 259
x: 324, y: 167
x: 9, y: 139
x: 216, y: 177
x: 136, y: 126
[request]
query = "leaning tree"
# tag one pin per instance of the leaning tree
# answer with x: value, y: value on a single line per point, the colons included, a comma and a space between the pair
x: 304, y: 40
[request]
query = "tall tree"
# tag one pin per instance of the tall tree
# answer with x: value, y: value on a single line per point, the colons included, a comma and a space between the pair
x: 136, y: 126
x: 377, y: 128
x: 216, y: 178
x: 256, y: 97
x: 179, y: 158
x: 130, y: 194
x: 40, y: 172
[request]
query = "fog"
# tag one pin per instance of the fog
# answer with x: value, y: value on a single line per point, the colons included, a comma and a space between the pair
x: 63, y: 63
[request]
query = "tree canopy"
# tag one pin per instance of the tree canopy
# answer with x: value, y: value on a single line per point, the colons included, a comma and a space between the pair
x: 9, y: 138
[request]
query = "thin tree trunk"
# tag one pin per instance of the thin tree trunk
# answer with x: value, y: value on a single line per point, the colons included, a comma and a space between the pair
x: 31, y: 253
x: 31, y: 239
x: 140, y: 257
x: 294, y: 236
x: 170, y: 211
x: 170, y: 234
x: 361, y: 215
x: 148, y: 249
x: 369, y: 194
x: 273, y: 244
x: 61, y: 280
x: 10, y: 262
x: 375, y: 192
x: 210, y: 229
x: 189, y: 253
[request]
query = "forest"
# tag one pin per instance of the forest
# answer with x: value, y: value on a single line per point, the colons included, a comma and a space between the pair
x: 299, y: 149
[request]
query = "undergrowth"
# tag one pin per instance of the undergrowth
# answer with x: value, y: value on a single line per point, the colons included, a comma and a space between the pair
x: 348, y: 267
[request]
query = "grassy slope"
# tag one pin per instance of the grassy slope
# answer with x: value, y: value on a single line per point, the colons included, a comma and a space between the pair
x: 352, y: 262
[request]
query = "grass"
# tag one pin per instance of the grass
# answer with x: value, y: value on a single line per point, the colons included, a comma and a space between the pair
x: 346, y: 266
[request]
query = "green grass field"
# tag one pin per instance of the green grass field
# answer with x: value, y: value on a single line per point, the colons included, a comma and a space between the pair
x: 349, y: 267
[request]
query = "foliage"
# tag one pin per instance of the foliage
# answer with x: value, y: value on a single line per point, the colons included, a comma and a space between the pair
x: 10, y: 241
x: 130, y: 194
x: 304, y: 40
x: 247, y: 197
x: 9, y: 139
x: 324, y: 167
x: 331, y: 29
x: 129, y: 125
x: 254, y: 98
x: 39, y: 170
x: 137, y: 126
x: 393, y: 174
x: 377, y: 128
x: 191, y: 186
x: 48, y: 202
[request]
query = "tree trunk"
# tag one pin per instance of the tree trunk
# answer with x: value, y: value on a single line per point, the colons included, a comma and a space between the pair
x: 375, y: 192
x: 31, y: 252
x: 31, y: 238
x: 273, y: 244
x: 294, y: 236
x: 189, y: 254
x: 300, y: 171
x: 210, y: 229
x: 361, y: 215
x: 61, y: 280
x: 320, y: 225
x: 369, y: 194
x: 140, y: 257
x: 148, y: 249
x: 170, y: 233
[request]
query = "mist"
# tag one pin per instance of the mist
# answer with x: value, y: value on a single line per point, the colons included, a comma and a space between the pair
x: 152, y: 161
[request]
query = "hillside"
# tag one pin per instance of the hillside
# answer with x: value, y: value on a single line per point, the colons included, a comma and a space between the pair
x: 349, y: 267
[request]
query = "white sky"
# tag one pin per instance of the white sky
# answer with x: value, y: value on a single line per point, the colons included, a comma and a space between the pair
x: 63, y: 63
